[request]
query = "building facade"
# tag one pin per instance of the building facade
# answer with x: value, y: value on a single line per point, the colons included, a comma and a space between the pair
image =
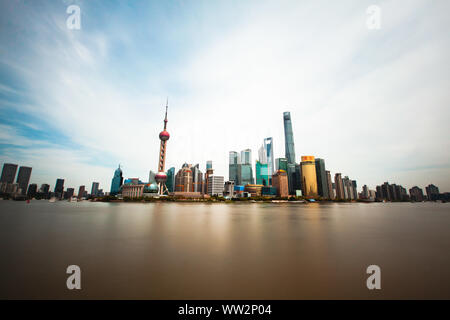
x: 23, y: 178
x: 309, y: 177
x: 8, y: 173
x: 339, y: 186
x: 215, y: 185
x: 280, y: 182
x: 321, y: 176
x: 117, y: 181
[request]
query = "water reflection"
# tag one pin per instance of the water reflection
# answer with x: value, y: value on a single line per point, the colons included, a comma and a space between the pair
x: 230, y: 251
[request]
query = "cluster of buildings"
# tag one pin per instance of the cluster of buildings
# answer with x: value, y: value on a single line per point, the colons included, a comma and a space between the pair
x: 22, y: 189
x: 272, y: 177
x: 285, y: 177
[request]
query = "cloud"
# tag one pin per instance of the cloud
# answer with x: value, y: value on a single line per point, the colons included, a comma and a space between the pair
x: 370, y: 102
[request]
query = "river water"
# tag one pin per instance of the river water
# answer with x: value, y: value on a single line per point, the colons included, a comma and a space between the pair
x: 224, y: 251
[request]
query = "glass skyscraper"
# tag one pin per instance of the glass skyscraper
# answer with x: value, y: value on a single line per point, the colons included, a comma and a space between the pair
x: 321, y: 175
x: 233, y: 167
x: 288, y: 138
x: 281, y: 164
x: 23, y: 178
x: 117, y: 181
x: 245, y: 174
x: 59, y: 188
x: 262, y: 174
x: 246, y: 156
x: 8, y: 173
x: 268, y: 147
x: 170, y: 183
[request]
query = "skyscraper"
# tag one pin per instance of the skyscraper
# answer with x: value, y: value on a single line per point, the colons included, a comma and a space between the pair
x: 197, y: 177
x: 23, y: 178
x: 280, y: 182
x: 322, y: 183
x: 281, y: 164
x: 246, y: 156
x: 8, y: 173
x: 329, y: 185
x: 161, y: 176
x: 245, y: 171
x: 262, y: 174
x: 59, y: 188
x: 416, y: 194
x: 184, y: 179
x: 32, y: 191
x: 170, y: 183
x: 339, y: 186
x: 81, y: 192
x: 288, y: 138
x: 117, y: 181
x: 69, y: 193
x: 309, y: 177
x: 215, y: 185
x: 432, y: 192
x: 265, y: 156
x: 94, y: 189
x: 233, y: 167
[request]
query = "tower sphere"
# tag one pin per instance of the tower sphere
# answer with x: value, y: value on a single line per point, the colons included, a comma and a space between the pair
x: 161, y: 177
x: 164, y: 135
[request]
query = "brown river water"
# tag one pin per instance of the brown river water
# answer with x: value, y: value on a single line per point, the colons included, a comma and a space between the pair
x: 224, y: 251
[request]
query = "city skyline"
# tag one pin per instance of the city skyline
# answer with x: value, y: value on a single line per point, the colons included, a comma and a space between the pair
x: 77, y: 115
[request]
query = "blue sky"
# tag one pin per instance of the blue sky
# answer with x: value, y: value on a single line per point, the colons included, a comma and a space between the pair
x: 372, y: 103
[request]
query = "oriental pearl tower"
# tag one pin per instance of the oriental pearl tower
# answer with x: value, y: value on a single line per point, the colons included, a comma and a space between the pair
x: 161, y: 176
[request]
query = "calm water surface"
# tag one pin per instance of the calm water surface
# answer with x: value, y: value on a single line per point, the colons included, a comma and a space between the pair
x: 224, y: 251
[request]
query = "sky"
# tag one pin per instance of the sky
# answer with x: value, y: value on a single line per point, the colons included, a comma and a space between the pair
x: 374, y: 103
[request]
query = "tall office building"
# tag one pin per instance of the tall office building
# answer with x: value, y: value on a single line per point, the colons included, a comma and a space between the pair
x: 209, y: 172
x: 215, y: 185
x: 246, y: 156
x: 265, y: 156
x: 233, y: 170
x: 329, y: 185
x: 432, y: 192
x: 245, y: 173
x: 8, y: 173
x: 288, y: 138
x: 197, y: 177
x: 117, y: 181
x: 416, y: 194
x: 170, y: 183
x: 281, y: 164
x: 339, y: 186
x: 184, y: 179
x: 69, y: 193
x: 309, y: 177
x: 59, y: 188
x: 81, y: 192
x: 280, y: 182
x: 354, y: 189
x: 94, y: 189
x: 44, y: 190
x: 322, y: 183
x: 262, y: 174
x: 32, y: 191
x: 23, y: 178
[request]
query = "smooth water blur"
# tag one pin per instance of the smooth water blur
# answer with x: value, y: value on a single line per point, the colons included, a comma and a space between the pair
x: 224, y: 251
